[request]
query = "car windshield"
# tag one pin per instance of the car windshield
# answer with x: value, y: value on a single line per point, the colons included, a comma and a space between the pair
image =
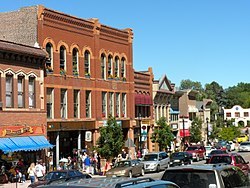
x: 55, y: 175
x: 245, y: 143
x: 150, y: 157
x: 192, y: 148
x: 179, y: 154
x: 221, y: 159
x: 216, y: 152
x: 190, y: 178
x: 123, y: 164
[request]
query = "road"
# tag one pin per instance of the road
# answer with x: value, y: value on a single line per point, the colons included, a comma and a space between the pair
x: 157, y: 175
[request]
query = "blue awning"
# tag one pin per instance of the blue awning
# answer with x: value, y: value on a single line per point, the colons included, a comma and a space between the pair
x: 25, y: 143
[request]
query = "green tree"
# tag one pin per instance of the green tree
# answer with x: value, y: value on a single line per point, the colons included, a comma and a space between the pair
x: 229, y: 133
x: 111, y: 139
x: 162, y: 134
x: 195, y: 130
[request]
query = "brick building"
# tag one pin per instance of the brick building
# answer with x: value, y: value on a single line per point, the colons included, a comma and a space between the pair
x: 143, y: 108
x: 89, y: 74
x: 22, y: 109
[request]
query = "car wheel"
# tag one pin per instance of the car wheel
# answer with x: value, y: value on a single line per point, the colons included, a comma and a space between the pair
x: 158, y: 168
x: 142, y: 172
x: 130, y: 174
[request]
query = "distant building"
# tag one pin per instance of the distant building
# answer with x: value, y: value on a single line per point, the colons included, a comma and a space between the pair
x: 241, y: 116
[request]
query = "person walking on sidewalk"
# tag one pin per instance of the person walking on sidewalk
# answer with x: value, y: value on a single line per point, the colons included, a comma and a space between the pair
x: 31, y: 172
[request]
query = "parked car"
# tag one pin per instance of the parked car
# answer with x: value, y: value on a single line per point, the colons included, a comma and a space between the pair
x: 63, y: 175
x: 242, y: 138
x: 234, y: 159
x: 117, y: 182
x: 180, y: 158
x: 127, y: 168
x: 244, y: 146
x: 208, y: 150
x: 154, y: 162
x: 214, y: 152
x: 206, y: 176
x: 198, y: 152
x: 222, y: 145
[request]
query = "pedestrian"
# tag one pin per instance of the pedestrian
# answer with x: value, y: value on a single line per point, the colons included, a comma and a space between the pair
x: 87, y: 163
x: 98, y: 158
x: 31, y: 172
x: 39, y: 170
x: 124, y: 154
x: 83, y: 159
x: 93, y: 164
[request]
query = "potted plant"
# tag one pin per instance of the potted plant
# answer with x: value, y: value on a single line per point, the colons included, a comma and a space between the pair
x: 62, y: 71
x: 110, y: 76
x: 124, y: 79
x: 87, y: 74
x: 49, y: 69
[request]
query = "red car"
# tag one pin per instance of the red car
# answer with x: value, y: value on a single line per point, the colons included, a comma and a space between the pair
x: 198, y: 152
x: 230, y: 158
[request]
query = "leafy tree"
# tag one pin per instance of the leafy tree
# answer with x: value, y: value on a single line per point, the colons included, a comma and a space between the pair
x: 229, y: 133
x: 162, y: 134
x: 195, y: 130
x: 111, y: 140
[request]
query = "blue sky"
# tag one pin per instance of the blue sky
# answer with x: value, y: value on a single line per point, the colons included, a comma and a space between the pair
x: 202, y: 41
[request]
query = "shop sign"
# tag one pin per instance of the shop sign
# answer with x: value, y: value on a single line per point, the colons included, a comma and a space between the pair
x: 88, y: 136
x: 20, y: 130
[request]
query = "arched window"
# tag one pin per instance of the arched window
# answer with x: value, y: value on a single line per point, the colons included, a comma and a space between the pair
x: 9, y: 90
x: 62, y: 60
x: 87, y: 63
x: 20, y: 91
x: 116, y: 67
x: 103, y: 66
x: 123, y: 68
x: 49, y: 62
x: 32, y: 91
x: 110, y: 67
x: 75, y: 62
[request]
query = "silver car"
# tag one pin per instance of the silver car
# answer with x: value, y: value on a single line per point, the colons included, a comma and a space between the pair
x: 244, y: 146
x: 154, y: 162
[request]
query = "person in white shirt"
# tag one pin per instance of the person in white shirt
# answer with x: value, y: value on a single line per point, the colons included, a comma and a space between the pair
x: 39, y: 170
x: 31, y: 172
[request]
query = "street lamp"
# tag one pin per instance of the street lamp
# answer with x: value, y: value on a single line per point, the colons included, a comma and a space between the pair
x: 207, y: 131
x: 139, y: 119
x: 183, y: 130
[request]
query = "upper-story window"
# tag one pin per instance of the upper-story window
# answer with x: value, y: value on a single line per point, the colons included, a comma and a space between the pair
x: 246, y: 114
x: 237, y: 114
x: 20, y: 91
x: 49, y: 62
x: 87, y: 63
x: 111, y: 103
x: 32, y: 92
x: 76, y: 104
x: 63, y: 103
x: 123, y: 68
x: 117, y: 97
x: 124, y: 105
x: 50, y: 102
x: 9, y: 91
x: 228, y: 114
x: 75, y: 62
x: 62, y: 59
x: 110, y: 67
x: 88, y: 104
x: 116, y: 67
x: 104, y: 104
x: 103, y: 66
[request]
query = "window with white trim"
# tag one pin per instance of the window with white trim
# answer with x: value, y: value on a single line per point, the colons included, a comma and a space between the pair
x: 20, y: 91
x: 63, y: 103
x: 87, y: 63
x: 104, y: 104
x: 110, y: 67
x: 103, y: 66
x: 117, y: 97
x: 32, y: 92
x: 75, y: 62
x: 111, y: 103
x: 124, y: 114
x: 76, y: 104
x: 9, y: 91
x: 62, y: 59
x: 116, y: 67
x: 123, y: 68
x: 88, y: 104
x: 50, y: 103
x: 49, y: 62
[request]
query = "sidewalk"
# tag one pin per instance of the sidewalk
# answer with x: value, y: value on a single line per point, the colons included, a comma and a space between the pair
x: 15, y: 185
x: 26, y: 184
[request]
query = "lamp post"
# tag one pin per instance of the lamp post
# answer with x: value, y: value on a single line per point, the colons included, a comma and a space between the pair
x: 139, y: 119
x: 183, y: 130
x: 207, y: 131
